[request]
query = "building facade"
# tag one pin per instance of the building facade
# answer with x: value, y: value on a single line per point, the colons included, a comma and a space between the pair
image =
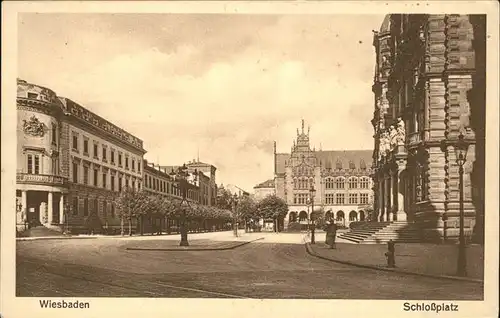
x: 341, y: 180
x: 264, y: 189
x: 71, y: 163
x: 429, y: 87
x: 203, y: 176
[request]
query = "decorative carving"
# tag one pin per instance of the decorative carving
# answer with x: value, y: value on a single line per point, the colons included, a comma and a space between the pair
x: 34, y: 127
x: 392, y: 137
x: 384, y: 144
x: 401, y: 132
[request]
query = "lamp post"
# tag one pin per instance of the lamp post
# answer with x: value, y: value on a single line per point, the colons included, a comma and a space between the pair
x: 181, y: 178
x: 312, y: 191
x: 461, y: 148
x: 67, y: 208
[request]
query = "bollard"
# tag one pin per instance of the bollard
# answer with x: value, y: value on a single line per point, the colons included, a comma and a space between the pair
x: 391, y: 261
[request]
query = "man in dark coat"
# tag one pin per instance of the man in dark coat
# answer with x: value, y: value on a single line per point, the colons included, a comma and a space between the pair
x: 333, y: 234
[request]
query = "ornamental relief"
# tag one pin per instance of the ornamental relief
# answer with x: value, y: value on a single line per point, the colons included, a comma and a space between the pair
x: 34, y: 127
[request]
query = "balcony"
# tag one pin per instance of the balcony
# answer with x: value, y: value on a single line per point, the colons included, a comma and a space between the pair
x: 43, y: 179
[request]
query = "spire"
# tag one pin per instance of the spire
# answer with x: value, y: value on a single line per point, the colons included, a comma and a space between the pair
x: 198, y: 157
x: 302, y: 125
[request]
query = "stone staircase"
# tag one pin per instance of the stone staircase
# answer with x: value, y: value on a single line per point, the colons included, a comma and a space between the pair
x: 382, y: 232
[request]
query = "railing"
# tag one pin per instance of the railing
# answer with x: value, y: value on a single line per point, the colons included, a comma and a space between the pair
x: 40, y: 179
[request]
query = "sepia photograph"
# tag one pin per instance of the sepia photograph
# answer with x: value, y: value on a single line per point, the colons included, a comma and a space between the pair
x: 256, y: 155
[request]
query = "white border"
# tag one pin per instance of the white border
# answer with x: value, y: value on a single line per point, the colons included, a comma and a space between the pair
x: 11, y: 306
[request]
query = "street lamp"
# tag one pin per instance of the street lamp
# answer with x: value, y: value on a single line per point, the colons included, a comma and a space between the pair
x: 67, y: 209
x: 461, y: 148
x: 235, y: 214
x: 312, y: 191
x: 181, y: 179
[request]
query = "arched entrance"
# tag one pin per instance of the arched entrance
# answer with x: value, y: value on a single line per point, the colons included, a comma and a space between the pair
x: 340, y: 217
x: 361, y: 215
x: 329, y: 215
x: 353, y: 216
x: 302, y: 216
x: 292, y: 217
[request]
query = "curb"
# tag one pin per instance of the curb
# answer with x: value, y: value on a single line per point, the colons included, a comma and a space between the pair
x: 54, y: 238
x: 192, y: 249
x: 399, y: 271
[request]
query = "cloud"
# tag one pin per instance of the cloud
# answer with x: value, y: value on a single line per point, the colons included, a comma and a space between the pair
x: 180, y: 99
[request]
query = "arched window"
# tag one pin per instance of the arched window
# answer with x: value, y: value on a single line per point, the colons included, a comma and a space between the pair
x: 329, y: 183
x: 364, y: 183
x: 353, y: 183
x: 340, y: 183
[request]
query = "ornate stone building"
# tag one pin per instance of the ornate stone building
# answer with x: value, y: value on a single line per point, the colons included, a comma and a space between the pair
x: 429, y: 87
x: 341, y: 179
x: 71, y: 163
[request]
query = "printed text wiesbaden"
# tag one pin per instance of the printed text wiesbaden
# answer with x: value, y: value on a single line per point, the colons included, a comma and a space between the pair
x: 64, y: 304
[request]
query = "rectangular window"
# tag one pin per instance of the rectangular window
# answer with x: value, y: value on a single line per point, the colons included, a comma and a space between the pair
x: 30, y: 164
x: 96, y: 173
x: 96, y: 151
x: 33, y: 164
x: 104, y: 178
x: 85, y: 146
x: 104, y: 153
x: 112, y: 183
x: 364, y: 198
x: 120, y: 159
x: 75, y: 206
x: 54, y: 134
x: 340, y: 198
x: 133, y: 184
x: 75, y: 142
x: 120, y: 182
x: 85, y: 175
x: 85, y: 207
x: 75, y: 172
x: 126, y: 163
x: 112, y: 156
x: 138, y: 166
x: 353, y: 198
x: 133, y: 164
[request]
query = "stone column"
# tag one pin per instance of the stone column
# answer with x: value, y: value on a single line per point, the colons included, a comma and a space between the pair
x: 388, y: 205
x: 61, y: 209
x: 50, y: 207
x: 381, y: 197
x: 401, y: 190
x: 24, y: 202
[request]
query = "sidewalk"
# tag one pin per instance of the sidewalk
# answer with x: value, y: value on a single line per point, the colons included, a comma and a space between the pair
x: 412, y: 258
x: 176, y: 236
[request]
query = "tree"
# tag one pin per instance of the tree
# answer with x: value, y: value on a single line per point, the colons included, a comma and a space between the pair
x: 224, y: 199
x: 130, y: 204
x: 273, y: 207
x: 247, y: 209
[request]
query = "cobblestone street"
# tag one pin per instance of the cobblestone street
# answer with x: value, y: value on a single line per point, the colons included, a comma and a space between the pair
x: 276, y: 267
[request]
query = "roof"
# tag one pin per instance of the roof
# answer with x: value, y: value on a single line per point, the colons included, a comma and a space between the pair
x: 266, y: 184
x: 330, y: 159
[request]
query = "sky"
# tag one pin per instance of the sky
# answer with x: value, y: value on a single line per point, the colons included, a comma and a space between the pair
x: 223, y: 86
